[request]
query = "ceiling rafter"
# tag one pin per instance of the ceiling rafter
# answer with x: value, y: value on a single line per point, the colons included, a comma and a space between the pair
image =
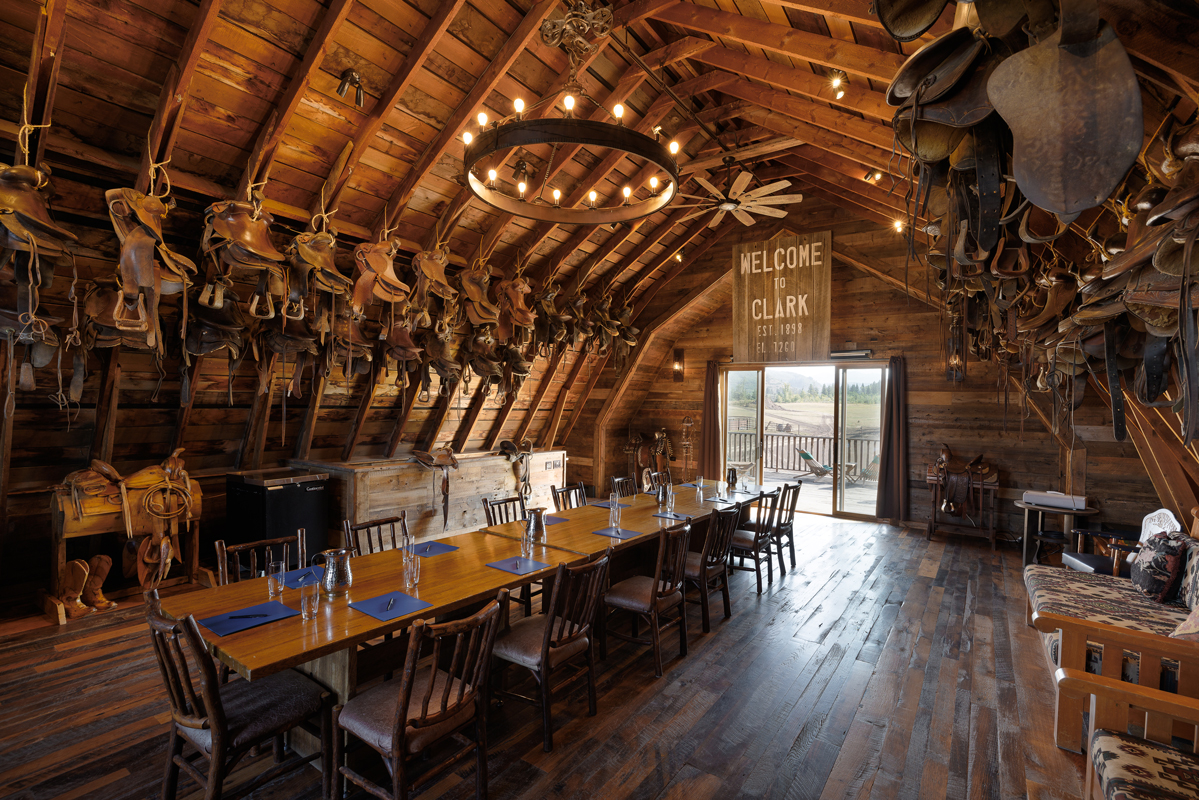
x: 643, y: 299
x: 854, y: 59
x: 854, y: 204
x: 176, y: 91
x: 802, y: 110
x: 271, y: 133
x: 693, y: 230
x: 839, y: 9
x: 892, y: 193
x: 433, y: 32
x: 825, y: 139
x: 885, y: 203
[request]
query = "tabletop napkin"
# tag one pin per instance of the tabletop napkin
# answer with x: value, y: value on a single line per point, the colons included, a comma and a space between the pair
x: 616, y: 533
x: 222, y: 625
x: 377, y: 606
x: 669, y: 515
x: 718, y: 499
x: 607, y: 504
x: 518, y: 566
x: 298, y: 577
x: 430, y: 549
x: 555, y: 520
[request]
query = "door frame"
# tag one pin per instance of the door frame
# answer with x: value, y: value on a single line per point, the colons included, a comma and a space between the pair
x: 839, y: 367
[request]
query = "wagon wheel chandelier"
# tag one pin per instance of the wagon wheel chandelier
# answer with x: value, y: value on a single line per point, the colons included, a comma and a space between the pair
x: 517, y: 131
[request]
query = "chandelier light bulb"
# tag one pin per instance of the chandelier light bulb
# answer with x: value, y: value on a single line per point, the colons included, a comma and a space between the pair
x: 519, y: 105
x: 557, y: 197
x: 569, y: 102
x: 627, y: 192
x: 491, y: 175
x: 618, y: 111
x: 467, y: 138
x: 592, y: 196
x: 674, y: 148
x: 482, y: 119
x: 653, y: 184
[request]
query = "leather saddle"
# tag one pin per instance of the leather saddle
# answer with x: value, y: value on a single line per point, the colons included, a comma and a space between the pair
x: 550, y: 326
x: 237, y: 235
x: 962, y: 481
x: 476, y: 283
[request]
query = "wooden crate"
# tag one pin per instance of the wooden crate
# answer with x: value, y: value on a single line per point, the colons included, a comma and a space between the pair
x: 366, y: 490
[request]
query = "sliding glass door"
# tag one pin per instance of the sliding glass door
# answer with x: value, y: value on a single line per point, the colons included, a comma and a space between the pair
x: 819, y: 423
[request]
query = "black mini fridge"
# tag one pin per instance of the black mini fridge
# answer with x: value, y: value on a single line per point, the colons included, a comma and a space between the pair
x: 273, y: 503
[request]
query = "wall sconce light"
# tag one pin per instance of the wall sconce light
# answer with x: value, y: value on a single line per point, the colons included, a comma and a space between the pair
x: 678, y: 366
x: 351, y: 78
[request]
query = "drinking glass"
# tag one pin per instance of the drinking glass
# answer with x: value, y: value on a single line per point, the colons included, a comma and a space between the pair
x: 614, y: 517
x: 310, y: 599
x: 274, y: 578
x: 699, y: 488
x: 526, y: 544
x: 411, y: 570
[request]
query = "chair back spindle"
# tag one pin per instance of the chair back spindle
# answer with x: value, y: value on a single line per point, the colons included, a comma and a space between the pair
x: 719, y: 541
x: 624, y: 487
x: 573, y: 602
x: 376, y: 535
x: 509, y: 509
x: 672, y: 558
x: 180, y: 651
x: 229, y: 556
x: 569, y: 497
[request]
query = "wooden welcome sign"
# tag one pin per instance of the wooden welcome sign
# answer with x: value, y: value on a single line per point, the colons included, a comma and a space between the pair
x: 781, y: 299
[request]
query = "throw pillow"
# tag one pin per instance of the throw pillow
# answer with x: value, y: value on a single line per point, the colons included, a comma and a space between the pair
x: 1159, y: 565
x: 1188, y: 589
x: 1189, y: 627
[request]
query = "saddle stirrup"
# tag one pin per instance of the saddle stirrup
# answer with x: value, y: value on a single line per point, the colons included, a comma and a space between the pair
x: 270, y: 307
x: 138, y: 324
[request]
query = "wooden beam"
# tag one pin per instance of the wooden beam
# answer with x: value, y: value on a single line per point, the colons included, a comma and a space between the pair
x: 41, y: 81
x: 253, y: 440
x: 542, y: 387
x: 585, y: 396
x: 440, y: 413
x: 857, y: 14
x: 691, y: 258
x: 826, y: 140
x: 855, y: 59
x: 852, y: 258
x: 466, y: 425
x: 750, y: 152
x: 551, y: 430
x: 7, y: 380
x: 855, y: 205
x: 696, y: 227
x: 1164, y: 37
x: 803, y: 110
x: 378, y: 370
x: 303, y: 445
x: 106, y: 407
x: 501, y: 419
x: 176, y: 91
x: 289, y: 104
x: 652, y: 238
x: 495, y: 72
x: 868, y: 191
x: 186, y: 402
x: 397, y: 432
x: 433, y: 32
x: 639, y: 10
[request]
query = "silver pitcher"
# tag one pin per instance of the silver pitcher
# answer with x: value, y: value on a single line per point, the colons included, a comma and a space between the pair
x: 660, y: 494
x: 730, y: 477
x: 337, y: 579
x: 535, y: 529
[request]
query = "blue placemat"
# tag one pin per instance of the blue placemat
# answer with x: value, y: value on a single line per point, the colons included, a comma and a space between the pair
x: 747, y: 494
x: 616, y: 533
x: 555, y: 520
x: 716, y: 499
x: 608, y: 505
x: 655, y: 494
x: 245, y: 618
x: 401, y: 604
x: 430, y: 549
x: 670, y: 515
x: 298, y: 577
x: 518, y: 566
x: 688, y: 485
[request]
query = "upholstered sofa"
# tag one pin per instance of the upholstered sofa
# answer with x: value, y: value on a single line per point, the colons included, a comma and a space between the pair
x: 1084, y: 616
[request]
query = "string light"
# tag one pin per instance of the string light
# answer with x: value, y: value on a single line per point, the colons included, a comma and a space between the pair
x: 878, y: 175
x: 678, y: 257
x: 898, y: 226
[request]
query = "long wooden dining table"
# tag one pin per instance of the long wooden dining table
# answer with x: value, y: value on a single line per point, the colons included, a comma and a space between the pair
x: 327, y: 648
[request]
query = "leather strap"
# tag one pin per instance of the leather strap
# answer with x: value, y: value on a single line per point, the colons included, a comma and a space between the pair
x: 988, y: 172
x: 1113, y: 380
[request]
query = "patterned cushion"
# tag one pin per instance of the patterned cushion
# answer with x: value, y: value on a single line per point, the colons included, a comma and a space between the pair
x: 1134, y: 769
x: 1188, y: 589
x: 1159, y: 565
x: 1101, y: 598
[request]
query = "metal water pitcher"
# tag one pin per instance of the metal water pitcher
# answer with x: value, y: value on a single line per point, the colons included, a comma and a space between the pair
x: 730, y: 476
x: 338, y: 579
x: 535, y: 528
x: 661, y: 493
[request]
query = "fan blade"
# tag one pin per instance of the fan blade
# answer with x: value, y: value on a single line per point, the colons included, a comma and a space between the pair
x: 765, y: 211
x: 716, y: 219
x: 742, y: 217
x: 739, y: 184
x: 778, y: 200
x: 707, y: 202
x: 715, y: 192
x: 767, y: 189
x: 695, y: 214
x: 692, y: 196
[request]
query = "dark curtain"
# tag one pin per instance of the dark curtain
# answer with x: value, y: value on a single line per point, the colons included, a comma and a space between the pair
x: 893, y: 452
x: 708, y: 462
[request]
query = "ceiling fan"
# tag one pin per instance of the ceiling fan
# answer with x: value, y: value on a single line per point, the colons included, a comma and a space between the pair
x: 737, y: 201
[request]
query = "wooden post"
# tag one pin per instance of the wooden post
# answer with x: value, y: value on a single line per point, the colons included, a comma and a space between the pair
x: 551, y: 430
x: 253, y: 441
x: 378, y: 370
x: 441, y: 412
x: 543, y: 387
x: 186, y: 402
x: 106, y: 407
x: 597, y: 370
x: 467, y: 425
x: 397, y: 433
x: 308, y: 423
x: 493, y: 435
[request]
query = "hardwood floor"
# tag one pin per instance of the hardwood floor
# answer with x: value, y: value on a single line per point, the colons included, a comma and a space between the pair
x: 884, y: 666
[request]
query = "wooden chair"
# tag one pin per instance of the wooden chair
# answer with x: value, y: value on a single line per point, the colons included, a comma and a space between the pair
x: 547, y: 643
x: 870, y: 471
x: 750, y: 542
x: 624, y: 487
x: 569, y: 497
x: 707, y: 570
x: 441, y: 693
x: 784, y: 525
x: 650, y: 597
x: 657, y: 479
x: 814, y: 466
x: 228, y: 557
x: 224, y: 721
x: 509, y: 509
x: 500, y: 512
x: 376, y: 535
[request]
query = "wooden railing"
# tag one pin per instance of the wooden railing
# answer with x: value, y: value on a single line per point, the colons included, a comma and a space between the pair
x: 781, y: 450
